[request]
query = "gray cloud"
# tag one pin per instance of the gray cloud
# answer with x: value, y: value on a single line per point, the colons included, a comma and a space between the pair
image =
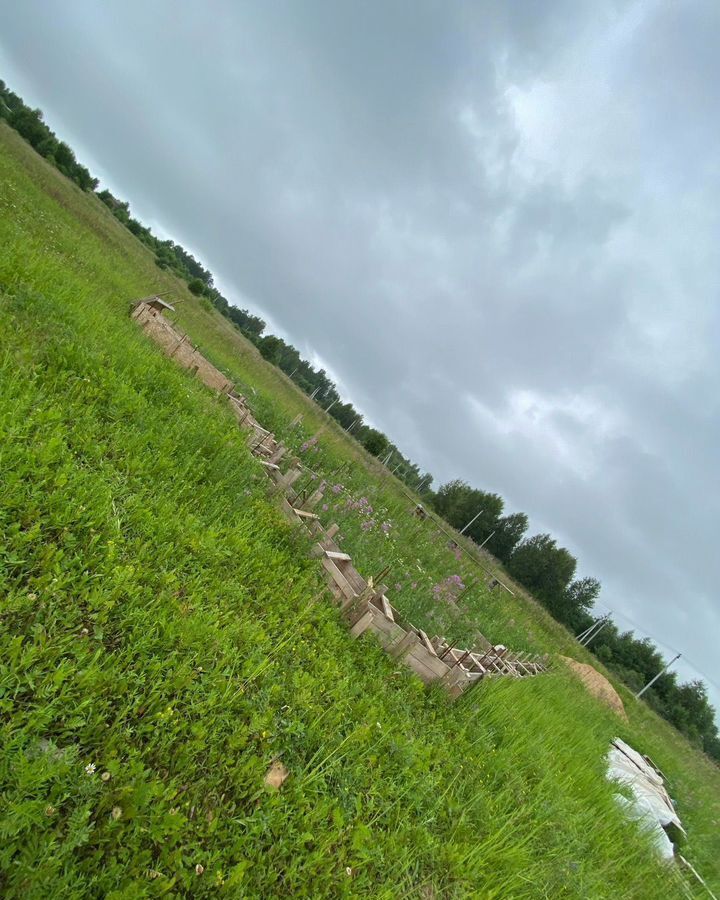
x: 496, y: 224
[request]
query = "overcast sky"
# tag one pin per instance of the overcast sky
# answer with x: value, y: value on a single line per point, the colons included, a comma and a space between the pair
x: 496, y: 224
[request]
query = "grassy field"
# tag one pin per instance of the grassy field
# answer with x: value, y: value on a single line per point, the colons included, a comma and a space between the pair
x: 165, y: 636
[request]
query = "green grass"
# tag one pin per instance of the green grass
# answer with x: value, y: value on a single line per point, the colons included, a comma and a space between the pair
x: 160, y: 621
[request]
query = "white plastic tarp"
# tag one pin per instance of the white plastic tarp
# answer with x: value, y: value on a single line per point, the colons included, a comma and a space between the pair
x: 650, y: 804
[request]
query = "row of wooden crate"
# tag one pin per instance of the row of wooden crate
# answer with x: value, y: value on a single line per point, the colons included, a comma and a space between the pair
x: 364, y: 603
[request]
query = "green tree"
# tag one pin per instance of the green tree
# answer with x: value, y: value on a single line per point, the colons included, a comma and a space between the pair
x: 458, y: 503
x: 509, y: 531
x: 29, y: 123
x: 197, y: 286
x: 579, y: 598
x: 374, y: 441
x: 544, y: 569
x: 65, y: 158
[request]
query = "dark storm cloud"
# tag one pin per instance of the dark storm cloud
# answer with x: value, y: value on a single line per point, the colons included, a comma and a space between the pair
x: 496, y: 224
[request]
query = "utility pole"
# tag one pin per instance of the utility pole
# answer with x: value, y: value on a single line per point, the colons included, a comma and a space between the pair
x: 486, y: 540
x: 350, y: 428
x: 596, y: 632
x: 331, y: 405
x: 653, y: 680
x: 593, y: 630
x: 312, y: 396
x: 463, y: 530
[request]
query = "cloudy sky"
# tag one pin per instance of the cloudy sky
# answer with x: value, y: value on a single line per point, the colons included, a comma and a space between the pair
x: 496, y: 224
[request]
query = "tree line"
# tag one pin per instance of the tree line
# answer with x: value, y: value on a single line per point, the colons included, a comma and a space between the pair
x: 548, y: 571
x: 536, y: 562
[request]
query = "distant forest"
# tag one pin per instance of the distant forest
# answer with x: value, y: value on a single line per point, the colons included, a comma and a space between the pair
x: 537, y: 562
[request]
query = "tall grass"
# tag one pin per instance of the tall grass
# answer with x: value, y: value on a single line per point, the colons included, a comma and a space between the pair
x: 165, y: 636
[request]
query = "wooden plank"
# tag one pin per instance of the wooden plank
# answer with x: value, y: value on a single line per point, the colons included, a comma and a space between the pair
x: 439, y: 643
x: 332, y: 530
x: 484, y: 659
x: 499, y: 666
x: 290, y: 514
x: 387, y: 632
x: 354, y: 577
x: 402, y: 646
x: 354, y: 607
x: 338, y: 577
x: 289, y: 478
x: 362, y: 623
x: 269, y: 465
x: 419, y: 668
x: 280, y: 451
x: 421, y: 663
x: 303, y: 513
x: 386, y: 608
x: 314, y: 498
x: 264, y: 445
x: 475, y: 664
x: 456, y: 676
x: 329, y: 544
x: 430, y: 661
x: 337, y: 555
x: 426, y: 641
x: 522, y: 668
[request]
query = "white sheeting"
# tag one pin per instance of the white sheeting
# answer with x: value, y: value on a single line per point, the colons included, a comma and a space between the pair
x: 650, y: 805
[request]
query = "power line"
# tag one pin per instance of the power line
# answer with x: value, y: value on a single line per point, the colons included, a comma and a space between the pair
x: 663, y: 643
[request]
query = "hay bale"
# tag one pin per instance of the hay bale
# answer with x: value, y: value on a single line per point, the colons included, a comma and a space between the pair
x: 597, y: 685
